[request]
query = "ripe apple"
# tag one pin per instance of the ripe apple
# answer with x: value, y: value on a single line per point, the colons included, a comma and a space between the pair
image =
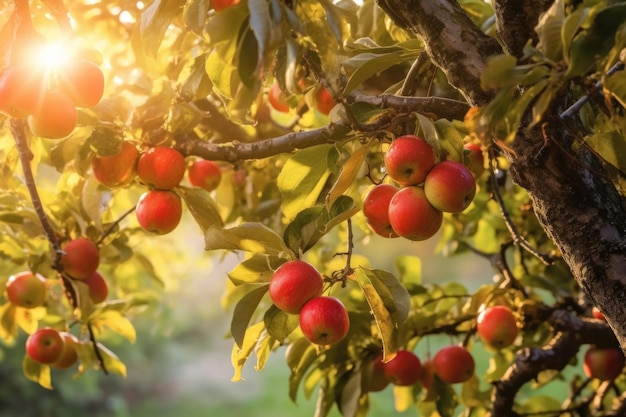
x: 26, y: 289
x: 55, y: 117
x: 376, y: 209
x: 450, y: 186
x: 596, y: 313
x: 324, y: 320
x: 428, y: 373
x: 277, y: 99
x: 69, y: 357
x: 605, y: 364
x: 293, y: 284
x: 205, y: 174
x: 497, y: 326
x: 474, y: 157
x: 98, y: 288
x: 159, y: 211
x: 408, y: 160
x: 222, y: 4
x: 45, y: 346
x: 453, y: 364
x: 161, y: 167
x: 412, y: 216
x: 82, y: 81
x: 21, y: 90
x: 404, y: 369
x: 116, y: 170
x: 324, y: 101
x: 81, y: 258
x: 374, y: 378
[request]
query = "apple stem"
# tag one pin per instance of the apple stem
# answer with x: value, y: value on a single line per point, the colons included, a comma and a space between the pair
x: 518, y: 239
x: 18, y: 130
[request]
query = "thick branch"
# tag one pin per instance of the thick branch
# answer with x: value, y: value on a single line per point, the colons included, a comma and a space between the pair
x: 571, y: 332
x: 451, y: 39
x: 516, y: 21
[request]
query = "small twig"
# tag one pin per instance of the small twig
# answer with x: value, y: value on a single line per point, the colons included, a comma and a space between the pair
x: 94, y: 342
x: 18, y: 130
x: 342, y: 274
x: 518, y: 239
x: 114, y: 225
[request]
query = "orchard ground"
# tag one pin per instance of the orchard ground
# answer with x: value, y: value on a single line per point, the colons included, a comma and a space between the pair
x: 182, y: 366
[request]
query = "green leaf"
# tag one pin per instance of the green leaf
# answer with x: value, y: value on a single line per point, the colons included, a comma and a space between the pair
x: 154, y: 22
x: 194, y: 14
x: 244, y: 311
x: 499, y: 72
x: 549, y: 32
x: 300, y: 355
x: 262, y: 27
x: 202, y: 207
x: 249, y: 237
x: 446, y: 399
x: 280, y: 324
x: 610, y: 146
x: 366, y: 65
x: 425, y: 128
x: 302, y: 178
x: 387, y: 327
x: 37, y: 372
x: 248, y: 59
x: 257, y: 269
x: 616, y: 86
x: 115, y: 321
x: 349, y: 171
x: 240, y: 355
x: 450, y: 140
x: 8, y: 323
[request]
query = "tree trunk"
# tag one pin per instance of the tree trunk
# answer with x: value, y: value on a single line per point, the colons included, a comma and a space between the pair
x: 574, y: 199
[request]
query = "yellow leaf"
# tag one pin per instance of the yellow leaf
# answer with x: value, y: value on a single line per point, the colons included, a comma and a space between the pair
x: 115, y: 321
x: 37, y: 372
x: 239, y: 355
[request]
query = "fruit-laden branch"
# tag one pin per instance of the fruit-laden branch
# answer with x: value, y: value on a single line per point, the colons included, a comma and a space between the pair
x: 236, y: 151
x: 570, y: 333
x: 452, y: 41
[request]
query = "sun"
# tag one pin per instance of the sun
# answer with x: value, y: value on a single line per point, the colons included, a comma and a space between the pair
x: 54, y: 55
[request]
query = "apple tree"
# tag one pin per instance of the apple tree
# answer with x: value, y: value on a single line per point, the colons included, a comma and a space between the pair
x: 296, y: 133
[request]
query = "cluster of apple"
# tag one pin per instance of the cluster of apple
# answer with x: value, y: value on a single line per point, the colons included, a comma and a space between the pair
x: 296, y: 288
x: 496, y: 326
x: 161, y: 168
x: 50, y: 346
x: 427, y: 189
x: 47, y: 96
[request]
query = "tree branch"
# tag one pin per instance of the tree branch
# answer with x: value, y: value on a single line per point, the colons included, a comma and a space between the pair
x: 570, y: 333
x: 516, y: 21
x: 451, y: 40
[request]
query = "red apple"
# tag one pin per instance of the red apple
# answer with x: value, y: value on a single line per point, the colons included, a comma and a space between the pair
x: 428, y: 374
x: 604, y: 364
x: 45, y: 346
x: 98, y: 288
x: 376, y: 209
x: 324, y: 320
x: 159, y: 211
x: 453, y: 364
x: 277, y: 99
x: 69, y: 357
x: 408, y: 160
x: 324, y: 101
x: 450, y: 187
x: 404, y: 369
x: 27, y: 289
x: 497, y: 326
x: 474, y: 158
x: 293, y: 284
x: 161, y: 167
x: 596, y: 313
x: 205, y: 174
x: 222, y: 4
x: 82, y: 81
x: 21, y: 90
x: 116, y: 170
x: 55, y: 117
x: 81, y: 258
x: 374, y: 378
x: 412, y: 216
